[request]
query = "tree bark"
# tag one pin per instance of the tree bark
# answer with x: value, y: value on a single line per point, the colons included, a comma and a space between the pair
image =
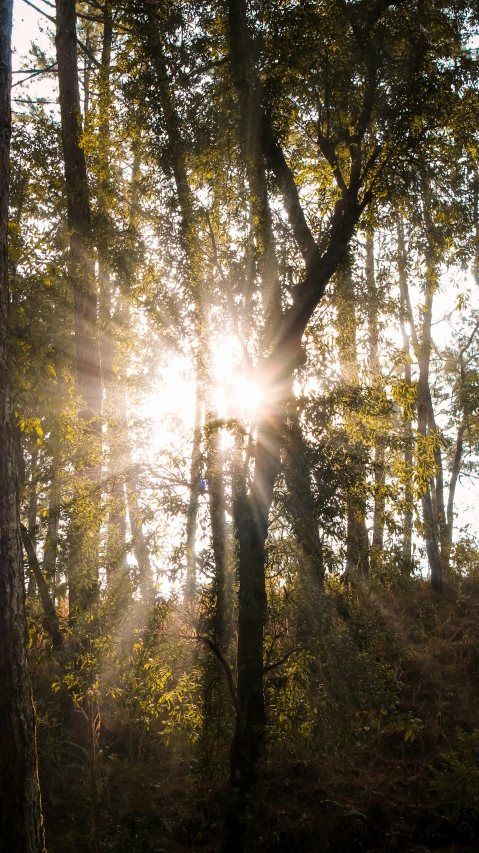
x: 376, y: 375
x: 116, y: 564
x: 423, y: 416
x: 51, y: 541
x: 21, y: 825
x: 357, y: 541
x: 51, y: 620
x: 300, y: 505
x: 78, y: 208
x: 192, y: 513
x: 245, y: 77
x: 286, y: 354
x: 83, y: 581
x: 33, y: 511
x: 407, y: 426
x: 139, y: 542
x: 222, y: 627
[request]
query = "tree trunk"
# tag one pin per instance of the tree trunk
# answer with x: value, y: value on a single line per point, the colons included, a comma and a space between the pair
x: 116, y: 564
x: 407, y: 426
x: 284, y: 342
x: 51, y: 621
x: 376, y: 375
x: 251, y: 523
x: 423, y: 415
x: 300, y: 505
x: 219, y: 533
x: 33, y: 511
x: 192, y: 514
x: 357, y: 541
x: 244, y: 56
x: 84, y: 579
x: 21, y: 826
x: 456, y: 467
x: 51, y: 541
x: 176, y: 156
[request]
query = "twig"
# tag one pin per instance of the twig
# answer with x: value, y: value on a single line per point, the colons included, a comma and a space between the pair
x: 224, y: 663
x: 47, y: 70
x: 90, y: 55
x: 282, y: 660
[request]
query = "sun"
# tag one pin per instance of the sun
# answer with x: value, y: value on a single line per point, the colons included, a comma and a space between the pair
x: 236, y: 394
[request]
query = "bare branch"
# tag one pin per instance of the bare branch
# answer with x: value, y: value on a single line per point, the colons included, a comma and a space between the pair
x: 282, y: 660
x: 224, y: 663
x: 51, y: 620
x: 85, y: 50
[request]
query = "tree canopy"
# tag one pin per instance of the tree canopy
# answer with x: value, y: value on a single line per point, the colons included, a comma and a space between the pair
x: 241, y: 373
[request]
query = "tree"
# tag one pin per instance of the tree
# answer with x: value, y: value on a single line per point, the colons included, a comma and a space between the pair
x: 84, y: 581
x: 21, y: 825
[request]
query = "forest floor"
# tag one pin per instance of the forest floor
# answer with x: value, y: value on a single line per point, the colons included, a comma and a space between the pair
x: 405, y: 787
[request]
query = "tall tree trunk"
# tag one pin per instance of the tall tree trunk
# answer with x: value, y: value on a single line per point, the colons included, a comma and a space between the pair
x: 251, y: 524
x: 424, y: 416
x: 375, y: 368
x: 357, y: 541
x: 117, y: 567
x: 425, y: 412
x: 456, y: 467
x: 21, y: 826
x: 407, y: 426
x: 475, y: 213
x: 84, y: 580
x: 195, y: 486
x: 33, y: 511
x: 300, y: 505
x: 51, y: 541
x: 176, y: 155
x: 33, y: 498
x: 251, y: 509
x: 219, y: 532
x: 51, y: 621
x: 245, y: 77
x: 139, y: 542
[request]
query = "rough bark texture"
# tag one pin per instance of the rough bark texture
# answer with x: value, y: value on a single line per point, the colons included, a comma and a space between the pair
x: 21, y: 827
x: 83, y: 580
x: 86, y: 340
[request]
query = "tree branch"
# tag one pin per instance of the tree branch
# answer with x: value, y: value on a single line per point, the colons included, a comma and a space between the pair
x: 51, y: 620
x: 276, y: 162
x: 91, y: 57
x: 282, y: 660
x: 224, y: 663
